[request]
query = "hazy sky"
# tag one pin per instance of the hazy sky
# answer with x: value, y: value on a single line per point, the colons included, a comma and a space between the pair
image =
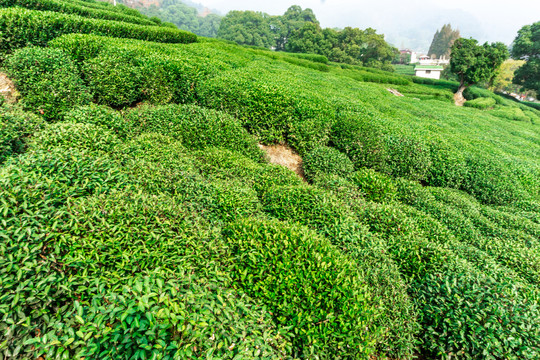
x: 409, y: 23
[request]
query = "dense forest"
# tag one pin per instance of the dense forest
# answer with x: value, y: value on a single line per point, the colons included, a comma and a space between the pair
x: 142, y: 217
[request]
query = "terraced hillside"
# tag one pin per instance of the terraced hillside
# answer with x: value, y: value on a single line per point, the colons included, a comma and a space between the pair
x: 139, y: 219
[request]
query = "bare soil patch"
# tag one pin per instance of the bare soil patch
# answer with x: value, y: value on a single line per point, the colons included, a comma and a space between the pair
x: 394, y: 91
x: 459, y: 100
x: 7, y: 89
x: 285, y: 156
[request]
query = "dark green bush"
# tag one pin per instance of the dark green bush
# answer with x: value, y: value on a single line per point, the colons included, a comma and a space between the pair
x: 313, y: 207
x: 263, y: 107
x: 93, y: 138
x: 360, y: 137
x: 344, y: 189
x: 375, y: 186
x: 114, y: 78
x: 448, y: 165
x: 307, y: 284
x: 491, y: 181
x: 326, y: 160
x: 481, y: 103
x: 75, y: 7
x: 407, y: 157
x: 195, y: 127
x: 15, y: 128
x: 98, y: 115
x: 48, y: 80
x: 309, y: 134
x: 21, y: 28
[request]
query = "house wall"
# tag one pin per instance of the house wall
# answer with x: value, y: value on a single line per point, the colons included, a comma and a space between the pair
x: 435, y: 74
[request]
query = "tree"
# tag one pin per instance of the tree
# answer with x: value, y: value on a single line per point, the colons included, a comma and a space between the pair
x: 473, y: 63
x: 443, y: 41
x: 247, y: 28
x: 503, y: 80
x: 527, y: 47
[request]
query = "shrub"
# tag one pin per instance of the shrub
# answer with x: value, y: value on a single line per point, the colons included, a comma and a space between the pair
x: 406, y: 157
x: 510, y: 113
x: 48, y: 81
x: 491, y: 182
x: 77, y: 8
x: 307, y: 284
x: 195, y: 127
x: 115, y: 78
x: 326, y: 160
x: 265, y: 108
x: 98, y: 115
x: 448, y: 165
x: 306, y: 135
x: 93, y: 138
x: 311, y: 206
x: 15, y: 128
x: 375, y: 186
x: 481, y: 103
x: 23, y: 28
x: 360, y: 137
x: 344, y: 189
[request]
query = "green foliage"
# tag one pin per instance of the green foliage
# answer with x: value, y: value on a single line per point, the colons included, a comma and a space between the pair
x: 93, y: 138
x: 98, y: 115
x: 511, y: 113
x: 481, y: 103
x: 184, y: 17
x: 15, y: 128
x: 360, y: 137
x: 305, y: 136
x: 527, y: 45
x: 407, y: 157
x: 326, y: 160
x: 195, y: 127
x: 448, y: 165
x: 289, y: 268
x: 48, y: 80
x: 77, y: 8
x: 442, y: 41
x: 23, y: 27
x: 375, y: 186
x: 474, y: 63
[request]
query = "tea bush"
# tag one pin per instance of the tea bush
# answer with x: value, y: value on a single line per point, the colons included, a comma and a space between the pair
x: 23, y: 27
x: 48, y: 80
x: 481, y: 103
x: 360, y: 137
x: 15, y: 128
x: 98, y: 115
x: 196, y: 127
x: 406, y: 157
x: 290, y: 268
x: 375, y: 186
x: 326, y: 160
x: 77, y: 8
x: 93, y: 138
x: 511, y: 113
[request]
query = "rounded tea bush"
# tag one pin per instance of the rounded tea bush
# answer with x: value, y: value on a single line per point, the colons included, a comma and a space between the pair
x: 326, y: 160
x: 376, y: 187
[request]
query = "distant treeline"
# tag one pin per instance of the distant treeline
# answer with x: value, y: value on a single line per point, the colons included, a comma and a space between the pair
x: 298, y: 30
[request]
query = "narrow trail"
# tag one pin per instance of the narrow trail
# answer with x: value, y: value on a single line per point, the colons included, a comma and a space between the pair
x: 285, y: 156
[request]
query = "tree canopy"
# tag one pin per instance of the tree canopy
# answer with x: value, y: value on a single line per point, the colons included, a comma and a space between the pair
x: 185, y: 17
x: 473, y: 63
x: 298, y: 30
x: 526, y: 46
x: 443, y: 41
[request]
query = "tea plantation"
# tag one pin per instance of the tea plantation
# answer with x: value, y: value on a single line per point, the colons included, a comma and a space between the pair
x: 139, y: 219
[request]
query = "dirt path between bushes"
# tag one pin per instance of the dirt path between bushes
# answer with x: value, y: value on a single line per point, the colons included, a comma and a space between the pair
x: 7, y: 89
x: 285, y: 156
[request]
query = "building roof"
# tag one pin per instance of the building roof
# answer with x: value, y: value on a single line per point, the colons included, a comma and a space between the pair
x: 428, y: 67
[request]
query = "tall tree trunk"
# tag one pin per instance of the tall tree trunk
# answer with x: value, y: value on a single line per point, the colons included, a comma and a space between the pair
x: 459, y: 100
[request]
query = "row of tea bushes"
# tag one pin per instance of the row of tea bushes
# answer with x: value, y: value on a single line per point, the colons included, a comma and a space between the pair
x: 22, y: 27
x: 76, y: 8
x: 15, y: 128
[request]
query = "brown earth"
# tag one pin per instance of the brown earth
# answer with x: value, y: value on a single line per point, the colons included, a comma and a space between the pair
x: 285, y: 156
x: 459, y: 100
x: 7, y: 89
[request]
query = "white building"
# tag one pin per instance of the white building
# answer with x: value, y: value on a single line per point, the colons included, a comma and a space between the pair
x: 428, y: 71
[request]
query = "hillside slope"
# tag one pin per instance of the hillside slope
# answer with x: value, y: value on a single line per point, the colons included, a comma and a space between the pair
x: 139, y: 218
